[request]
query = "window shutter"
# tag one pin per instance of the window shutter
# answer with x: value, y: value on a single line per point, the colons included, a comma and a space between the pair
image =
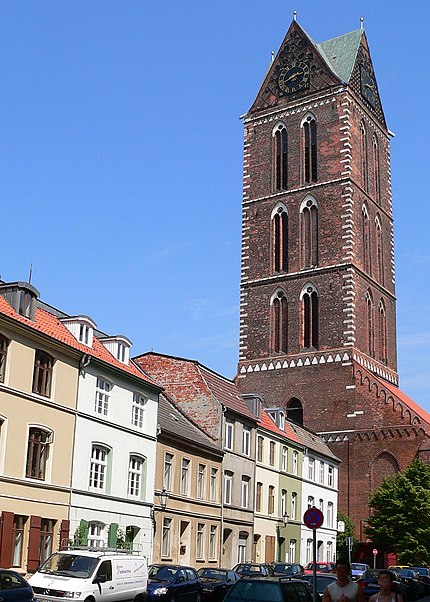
x: 6, y: 535
x: 33, y: 543
x: 113, y: 529
x: 64, y: 533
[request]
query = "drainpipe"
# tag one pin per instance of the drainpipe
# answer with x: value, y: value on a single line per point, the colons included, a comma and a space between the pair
x: 221, y: 538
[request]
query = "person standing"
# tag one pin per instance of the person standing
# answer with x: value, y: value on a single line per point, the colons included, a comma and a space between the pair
x: 386, y: 593
x: 343, y: 589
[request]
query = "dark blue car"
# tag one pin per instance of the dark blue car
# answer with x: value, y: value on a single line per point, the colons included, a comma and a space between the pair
x: 14, y: 588
x: 173, y: 582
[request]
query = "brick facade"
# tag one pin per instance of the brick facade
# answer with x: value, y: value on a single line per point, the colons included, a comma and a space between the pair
x: 343, y: 383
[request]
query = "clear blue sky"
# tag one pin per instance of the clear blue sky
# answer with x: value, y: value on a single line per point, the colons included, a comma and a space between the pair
x: 121, y: 159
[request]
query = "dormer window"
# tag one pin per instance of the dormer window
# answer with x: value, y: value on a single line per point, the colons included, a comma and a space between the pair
x: 22, y: 297
x: 81, y: 327
x: 119, y: 347
x: 281, y: 421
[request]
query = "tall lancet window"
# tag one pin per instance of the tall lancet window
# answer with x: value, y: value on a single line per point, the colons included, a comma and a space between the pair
x: 382, y: 327
x: 310, y: 160
x: 280, y: 151
x: 280, y: 238
x: 364, y: 160
x: 379, y: 250
x: 279, y: 322
x: 376, y: 174
x: 310, y: 319
x: 365, y: 225
x: 370, y: 331
x: 309, y: 232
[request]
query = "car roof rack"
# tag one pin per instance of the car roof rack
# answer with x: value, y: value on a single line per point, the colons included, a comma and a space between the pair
x: 136, y: 549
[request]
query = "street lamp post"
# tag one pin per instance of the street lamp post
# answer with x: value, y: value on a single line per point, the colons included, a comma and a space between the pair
x: 164, y: 498
x: 282, y: 523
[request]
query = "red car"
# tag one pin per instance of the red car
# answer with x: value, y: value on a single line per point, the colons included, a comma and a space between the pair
x: 322, y: 567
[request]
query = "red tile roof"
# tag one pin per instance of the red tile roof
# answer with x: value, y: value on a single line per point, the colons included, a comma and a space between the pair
x: 267, y: 423
x: 49, y: 325
x: 394, y: 391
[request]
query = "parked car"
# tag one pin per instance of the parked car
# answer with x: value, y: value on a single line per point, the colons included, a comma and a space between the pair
x: 358, y: 570
x: 173, y: 582
x: 270, y: 589
x: 322, y: 567
x: 369, y: 583
x: 322, y: 580
x: 424, y: 577
x: 288, y: 569
x: 216, y: 582
x: 253, y: 569
x: 14, y: 588
x: 415, y: 587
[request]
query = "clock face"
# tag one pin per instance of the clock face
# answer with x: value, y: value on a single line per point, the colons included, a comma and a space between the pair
x: 368, y: 86
x: 293, y: 77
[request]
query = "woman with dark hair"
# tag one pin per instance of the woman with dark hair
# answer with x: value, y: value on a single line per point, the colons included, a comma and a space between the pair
x: 386, y: 593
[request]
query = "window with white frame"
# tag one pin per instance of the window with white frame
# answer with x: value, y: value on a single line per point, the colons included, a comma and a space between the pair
x: 168, y: 471
x: 260, y: 444
x: 292, y: 550
x: 322, y: 472
x: 95, y: 535
x: 212, y: 542
x: 138, y: 409
x: 99, y: 467
x: 241, y: 547
x: 200, y: 541
x: 245, y: 492
x: 18, y: 539
x: 284, y: 458
x: 308, y: 550
x: 295, y: 461
x: 135, y: 476
x: 272, y: 448
x: 201, y: 474
x: 330, y: 476
x: 321, y: 505
x: 311, y: 501
x: 229, y: 431
x: 165, y: 542
x: 101, y: 402
x: 228, y: 487
x: 311, y: 469
x: 184, y: 476
x: 329, y: 551
x: 293, y: 505
x: 214, y: 483
x: 330, y: 514
x: 246, y: 441
x: 283, y: 502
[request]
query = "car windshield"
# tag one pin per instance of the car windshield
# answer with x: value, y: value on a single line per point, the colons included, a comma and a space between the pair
x: 162, y: 573
x: 405, y: 573
x: 249, y: 568
x: 286, y: 569
x: 216, y: 574
x: 70, y: 565
x: 9, y: 580
x: 256, y: 591
x: 322, y: 582
x: 421, y: 570
x: 355, y: 566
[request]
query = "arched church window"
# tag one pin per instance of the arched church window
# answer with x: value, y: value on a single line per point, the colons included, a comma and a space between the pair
x: 364, y: 158
x: 279, y: 322
x: 376, y: 174
x: 309, y: 232
x: 310, y: 327
x: 310, y: 161
x: 295, y: 411
x: 379, y: 250
x: 280, y: 151
x: 367, y: 262
x: 280, y: 238
x: 382, y: 327
x: 370, y: 325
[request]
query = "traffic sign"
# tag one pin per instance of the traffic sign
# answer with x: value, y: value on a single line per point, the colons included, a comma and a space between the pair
x: 313, y: 518
x: 375, y: 551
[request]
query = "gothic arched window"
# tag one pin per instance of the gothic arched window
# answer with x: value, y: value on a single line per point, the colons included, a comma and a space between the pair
x: 279, y: 322
x: 364, y: 158
x: 309, y: 232
x: 295, y: 411
x: 309, y: 299
x: 280, y: 151
x: 367, y: 262
x: 382, y: 327
x: 280, y: 238
x: 310, y: 163
x: 370, y: 325
x: 376, y: 175
x: 379, y: 250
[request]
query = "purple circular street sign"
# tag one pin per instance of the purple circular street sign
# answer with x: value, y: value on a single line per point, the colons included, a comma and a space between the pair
x: 313, y: 518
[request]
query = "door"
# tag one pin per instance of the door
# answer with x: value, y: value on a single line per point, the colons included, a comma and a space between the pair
x: 104, y: 586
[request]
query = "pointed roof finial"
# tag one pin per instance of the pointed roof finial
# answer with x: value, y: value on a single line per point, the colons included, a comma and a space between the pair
x: 362, y: 23
x: 294, y: 15
x: 273, y: 55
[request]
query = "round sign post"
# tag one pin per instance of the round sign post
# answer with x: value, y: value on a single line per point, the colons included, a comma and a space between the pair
x: 313, y: 519
x: 375, y: 553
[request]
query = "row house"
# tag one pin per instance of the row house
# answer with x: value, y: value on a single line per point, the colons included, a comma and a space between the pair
x: 214, y: 404
x: 78, y: 434
x: 187, y: 505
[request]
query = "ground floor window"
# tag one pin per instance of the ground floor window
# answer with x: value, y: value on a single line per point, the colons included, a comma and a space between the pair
x: 46, y: 538
x: 165, y: 546
x: 95, y: 535
x: 292, y: 551
x: 18, y: 539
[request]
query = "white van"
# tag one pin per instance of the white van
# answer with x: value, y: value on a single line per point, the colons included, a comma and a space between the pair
x: 91, y: 576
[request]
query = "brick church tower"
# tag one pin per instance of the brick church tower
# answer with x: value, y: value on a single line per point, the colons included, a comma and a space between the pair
x: 318, y: 307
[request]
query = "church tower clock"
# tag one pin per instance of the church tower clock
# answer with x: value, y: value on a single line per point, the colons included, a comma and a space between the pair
x: 318, y: 307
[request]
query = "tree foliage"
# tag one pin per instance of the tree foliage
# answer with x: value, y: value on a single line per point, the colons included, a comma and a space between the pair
x: 400, y: 521
x: 341, y: 547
